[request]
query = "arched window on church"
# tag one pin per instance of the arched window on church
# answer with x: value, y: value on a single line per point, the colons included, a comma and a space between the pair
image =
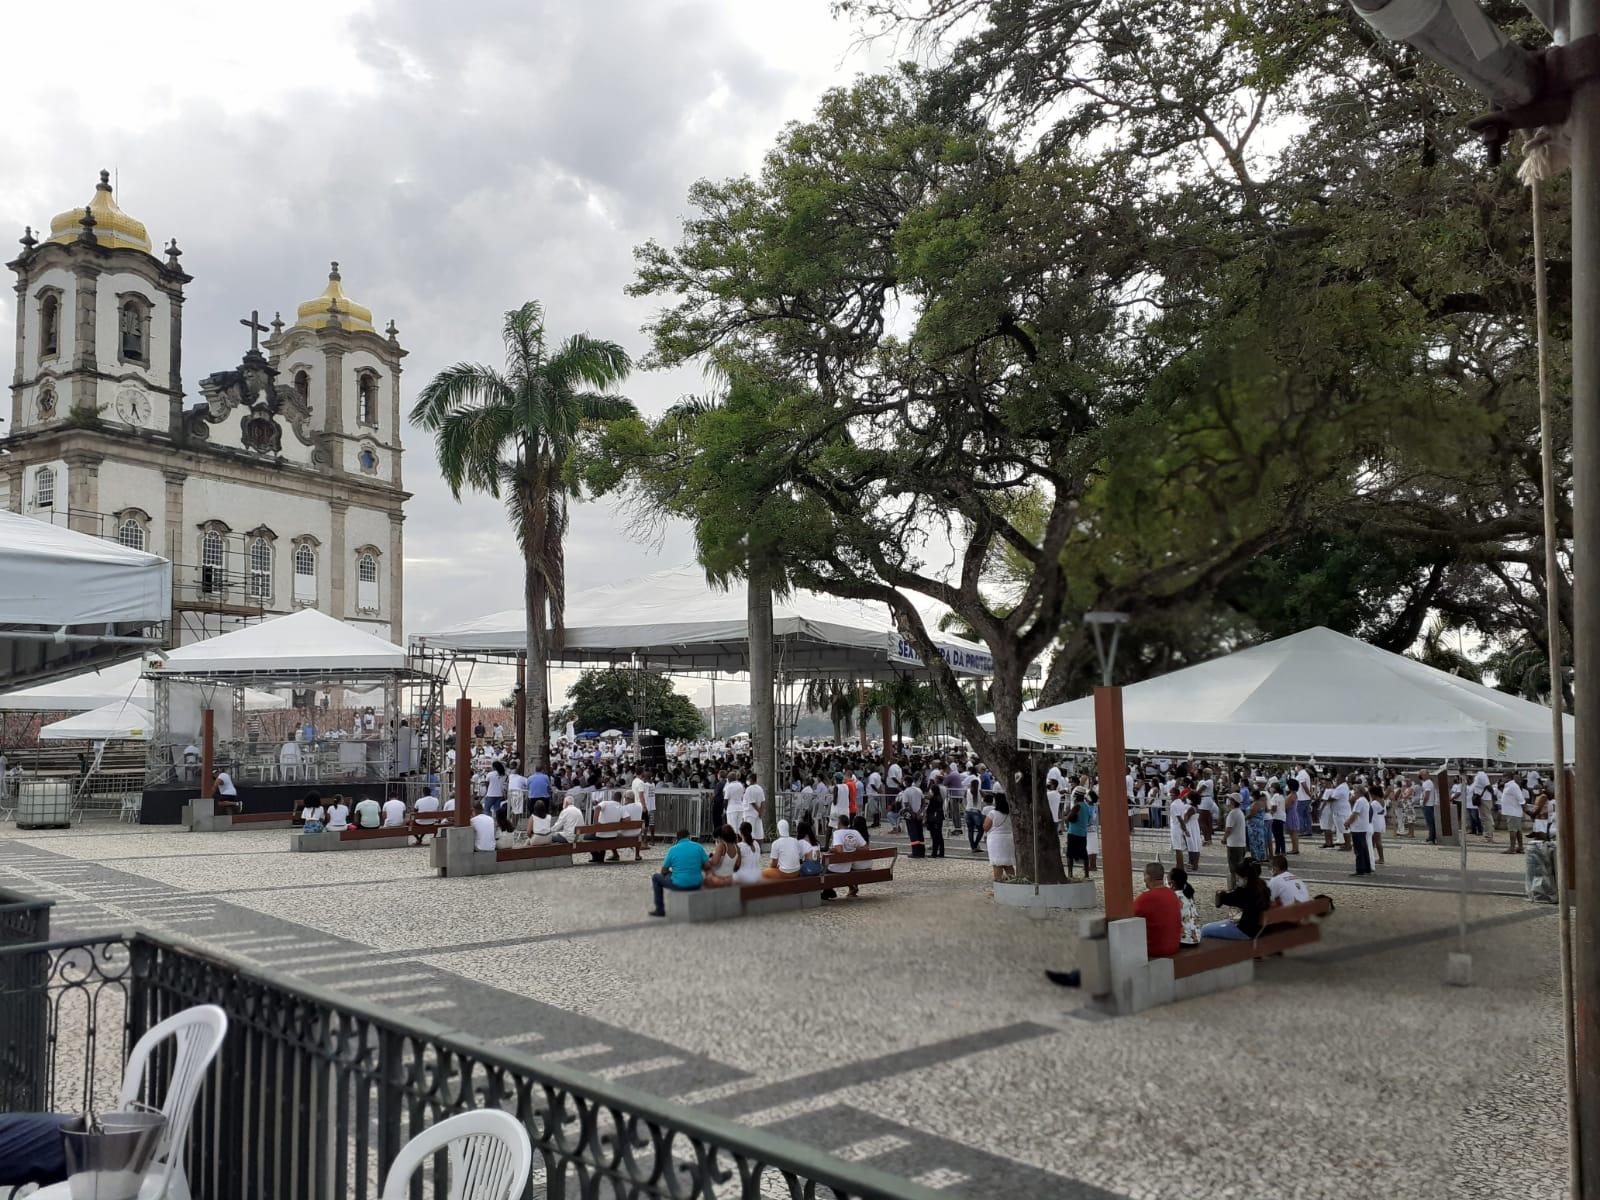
x: 213, y: 579
x: 367, y: 398
x: 44, y: 488
x: 260, y: 569
x: 131, y: 534
x: 305, y: 574
x: 302, y: 384
x: 367, y: 582
x: 132, y: 331
x: 49, y: 323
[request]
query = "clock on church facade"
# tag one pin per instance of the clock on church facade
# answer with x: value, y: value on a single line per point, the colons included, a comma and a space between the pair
x: 277, y: 487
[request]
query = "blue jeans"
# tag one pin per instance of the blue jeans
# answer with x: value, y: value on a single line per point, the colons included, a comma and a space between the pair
x: 1476, y: 819
x: 30, y: 1148
x: 1427, y: 815
x: 1228, y: 931
x: 974, y: 828
x: 660, y: 883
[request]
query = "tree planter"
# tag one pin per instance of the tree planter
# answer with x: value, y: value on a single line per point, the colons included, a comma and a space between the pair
x: 1049, y: 895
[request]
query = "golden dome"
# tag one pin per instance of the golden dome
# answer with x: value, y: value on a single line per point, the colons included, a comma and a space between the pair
x: 314, y: 314
x: 113, y: 228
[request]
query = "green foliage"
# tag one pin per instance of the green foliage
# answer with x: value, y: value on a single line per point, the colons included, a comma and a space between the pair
x: 513, y: 433
x: 615, y: 698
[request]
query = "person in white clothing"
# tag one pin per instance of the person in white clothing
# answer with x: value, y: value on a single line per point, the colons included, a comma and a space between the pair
x: 338, y: 814
x: 565, y: 827
x: 1341, y: 810
x: 841, y: 798
x: 1358, y: 826
x: 785, y: 855
x: 1285, y: 887
x: 607, y: 812
x: 394, y: 812
x: 1181, y: 815
x: 427, y: 802
x: 999, y: 840
x: 755, y: 805
x: 482, y: 829
x: 633, y: 810
x: 733, y: 800
x: 368, y: 814
x: 845, y: 840
x: 1512, y: 802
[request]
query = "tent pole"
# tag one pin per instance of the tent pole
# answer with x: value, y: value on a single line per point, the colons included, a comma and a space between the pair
x: 1115, y: 843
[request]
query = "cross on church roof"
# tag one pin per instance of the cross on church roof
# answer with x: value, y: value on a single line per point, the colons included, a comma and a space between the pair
x: 256, y: 328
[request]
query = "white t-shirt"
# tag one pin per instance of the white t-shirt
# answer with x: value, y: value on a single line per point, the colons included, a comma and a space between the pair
x: 1234, y: 828
x: 394, y: 812
x: 1302, y: 781
x: 633, y: 810
x: 638, y: 787
x: 482, y: 832
x: 496, y: 789
x: 786, y: 850
x: 755, y: 799
x: 517, y: 783
x: 338, y: 816
x: 841, y: 800
x: 1430, y: 794
x: 368, y: 814
x: 1341, y: 802
x: 428, y: 803
x: 609, y: 813
x: 225, y: 784
x: 1511, y: 799
x: 1287, y: 889
x: 896, y: 776
x: 1361, y: 813
x: 848, y: 840
x: 1053, y: 796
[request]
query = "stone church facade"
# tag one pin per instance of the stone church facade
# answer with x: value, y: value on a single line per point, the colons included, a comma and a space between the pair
x: 278, y: 488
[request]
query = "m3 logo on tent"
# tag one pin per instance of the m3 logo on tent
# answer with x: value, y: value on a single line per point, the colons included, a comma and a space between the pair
x: 1050, y: 728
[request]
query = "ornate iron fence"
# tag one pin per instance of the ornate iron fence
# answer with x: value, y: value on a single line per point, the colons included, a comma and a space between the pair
x: 314, y: 1092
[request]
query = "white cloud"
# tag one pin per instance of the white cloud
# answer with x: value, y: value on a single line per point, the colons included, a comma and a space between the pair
x: 457, y: 159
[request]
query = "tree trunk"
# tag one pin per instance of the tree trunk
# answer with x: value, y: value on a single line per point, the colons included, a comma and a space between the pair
x: 536, y: 736
x: 763, y: 742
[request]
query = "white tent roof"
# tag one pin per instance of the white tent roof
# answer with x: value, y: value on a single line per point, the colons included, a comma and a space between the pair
x: 121, y: 720
x: 302, y: 643
x: 54, y: 576
x: 675, y: 618
x: 1316, y: 692
x: 109, y: 685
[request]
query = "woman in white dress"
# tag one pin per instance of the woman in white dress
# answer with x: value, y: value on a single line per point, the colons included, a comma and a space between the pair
x: 998, y: 839
x: 1177, y: 827
x: 724, y: 859
x: 749, y: 868
x: 1379, y: 820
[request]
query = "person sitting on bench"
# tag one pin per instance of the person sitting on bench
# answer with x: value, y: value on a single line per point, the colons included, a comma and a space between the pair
x: 847, y: 840
x: 368, y: 814
x: 607, y: 812
x: 785, y: 851
x: 682, y: 870
x: 724, y: 860
x: 1252, y: 898
x: 564, y: 829
x: 482, y: 829
x: 540, y: 824
x: 338, y: 814
x: 1162, y: 912
x: 226, y: 796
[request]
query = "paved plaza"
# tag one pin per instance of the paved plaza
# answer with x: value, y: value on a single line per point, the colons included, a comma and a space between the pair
x: 914, y: 1028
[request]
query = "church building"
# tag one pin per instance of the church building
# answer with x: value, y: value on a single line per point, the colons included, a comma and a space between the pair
x: 277, y: 488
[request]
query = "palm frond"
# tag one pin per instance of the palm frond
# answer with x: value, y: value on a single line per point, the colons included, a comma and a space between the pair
x: 582, y: 359
x: 457, y: 387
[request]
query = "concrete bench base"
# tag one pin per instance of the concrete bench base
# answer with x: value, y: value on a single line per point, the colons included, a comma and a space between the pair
x: 333, y: 839
x: 719, y: 904
x: 201, y: 816
x: 454, y: 856
x: 1120, y: 979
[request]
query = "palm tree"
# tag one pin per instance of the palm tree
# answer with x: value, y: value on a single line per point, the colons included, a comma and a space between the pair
x: 510, y: 433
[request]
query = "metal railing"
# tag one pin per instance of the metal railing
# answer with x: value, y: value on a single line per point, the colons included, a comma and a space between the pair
x: 314, y: 1093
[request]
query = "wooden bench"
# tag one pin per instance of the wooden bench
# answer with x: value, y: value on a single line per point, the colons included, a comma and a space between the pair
x: 548, y: 850
x: 354, y: 833
x: 262, y: 818
x: 630, y: 835
x: 856, y: 877
x: 1283, y: 929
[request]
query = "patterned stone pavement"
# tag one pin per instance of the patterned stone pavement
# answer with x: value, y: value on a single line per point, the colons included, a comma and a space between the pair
x: 914, y: 1030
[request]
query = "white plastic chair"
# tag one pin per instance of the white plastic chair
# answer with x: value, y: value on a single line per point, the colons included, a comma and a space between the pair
x: 490, y: 1157
x: 198, y: 1033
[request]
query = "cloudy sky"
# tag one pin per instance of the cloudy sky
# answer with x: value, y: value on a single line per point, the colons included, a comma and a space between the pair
x: 455, y: 158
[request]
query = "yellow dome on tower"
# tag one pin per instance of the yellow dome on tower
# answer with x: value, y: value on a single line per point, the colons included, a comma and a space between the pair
x: 316, y: 314
x: 113, y: 228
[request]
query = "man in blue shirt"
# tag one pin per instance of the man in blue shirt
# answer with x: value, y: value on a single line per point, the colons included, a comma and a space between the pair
x: 539, y: 785
x: 682, y: 870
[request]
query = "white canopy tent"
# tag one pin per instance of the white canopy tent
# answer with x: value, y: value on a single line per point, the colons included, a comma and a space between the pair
x: 69, y: 600
x: 120, y: 720
x: 303, y: 643
x: 108, y: 686
x: 675, y: 619
x: 53, y: 576
x: 1316, y: 692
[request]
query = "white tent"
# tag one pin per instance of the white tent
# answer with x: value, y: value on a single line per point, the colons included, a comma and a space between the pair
x: 674, y: 618
x: 1316, y: 692
x: 53, y: 577
x: 305, y: 642
x: 119, y: 721
x: 110, y: 685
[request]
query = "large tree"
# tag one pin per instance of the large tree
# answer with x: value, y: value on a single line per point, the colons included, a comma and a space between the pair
x: 617, y: 697
x: 512, y: 433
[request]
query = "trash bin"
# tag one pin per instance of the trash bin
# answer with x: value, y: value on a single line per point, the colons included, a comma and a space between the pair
x: 107, y: 1156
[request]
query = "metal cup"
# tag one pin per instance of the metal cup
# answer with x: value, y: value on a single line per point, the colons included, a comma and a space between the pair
x: 106, y: 1157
